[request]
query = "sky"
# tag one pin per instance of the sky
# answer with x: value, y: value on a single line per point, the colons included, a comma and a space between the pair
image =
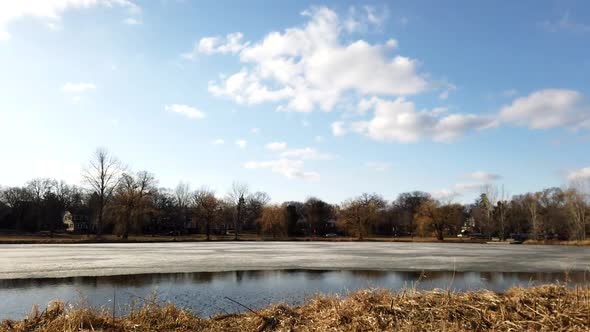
x: 297, y: 98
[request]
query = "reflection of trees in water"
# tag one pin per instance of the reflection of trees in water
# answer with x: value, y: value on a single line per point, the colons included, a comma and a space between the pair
x: 369, y: 274
x: 312, y: 274
x: 143, y: 280
x: 257, y: 275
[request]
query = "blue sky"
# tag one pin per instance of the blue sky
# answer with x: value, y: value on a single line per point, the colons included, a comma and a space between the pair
x: 298, y: 98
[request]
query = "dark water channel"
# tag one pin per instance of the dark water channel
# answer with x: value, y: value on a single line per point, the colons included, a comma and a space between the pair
x: 205, y: 292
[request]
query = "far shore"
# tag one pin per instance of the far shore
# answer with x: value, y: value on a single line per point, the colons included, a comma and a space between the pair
x: 65, y: 238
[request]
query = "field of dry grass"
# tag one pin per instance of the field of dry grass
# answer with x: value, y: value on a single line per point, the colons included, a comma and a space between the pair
x: 77, y: 238
x: 561, y: 243
x: 544, y: 308
x: 108, y: 238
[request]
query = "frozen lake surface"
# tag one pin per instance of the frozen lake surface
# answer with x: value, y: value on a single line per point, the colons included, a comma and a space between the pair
x: 72, y: 260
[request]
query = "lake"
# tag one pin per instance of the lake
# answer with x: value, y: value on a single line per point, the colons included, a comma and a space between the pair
x: 200, y: 275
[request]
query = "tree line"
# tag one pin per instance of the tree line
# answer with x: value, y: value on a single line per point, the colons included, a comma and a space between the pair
x: 114, y: 199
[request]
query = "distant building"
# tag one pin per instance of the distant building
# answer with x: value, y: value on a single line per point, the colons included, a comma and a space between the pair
x: 77, y: 221
x: 468, y: 228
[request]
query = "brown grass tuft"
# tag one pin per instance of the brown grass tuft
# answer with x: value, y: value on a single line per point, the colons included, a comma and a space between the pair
x: 557, y: 242
x: 544, y: 308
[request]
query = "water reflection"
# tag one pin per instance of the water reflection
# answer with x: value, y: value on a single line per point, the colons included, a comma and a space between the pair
x: 205, y: 292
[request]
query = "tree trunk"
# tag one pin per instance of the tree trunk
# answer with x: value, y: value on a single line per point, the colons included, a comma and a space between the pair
x: 237, y: 221
x: 99, y: 224
x: 360, y: 226
x: 126, y: 225
x: 208, y: 228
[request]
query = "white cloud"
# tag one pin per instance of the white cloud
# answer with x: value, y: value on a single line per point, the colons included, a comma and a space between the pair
x: 484, y: 176
x: 77, y: 87
x: 399, y: 121
x: 53, y: 26
x: 185, y: 110
x: 232, y: 43
x: 582, y: 174
x: 310, y: 67
x: 462, y: 189
x: 391, y: 43
x: 276, y: 146
x: 218, y: 141
x: 51, y: 10
x: 566, y: 23
x: 245, y: 88
x: 255, y: 131
x: 338, y: 128
x: 509, y: 93
x: 379, y: 166
x: 469, y: 187
x: 445, y: 195
x: 318, y: 139
x: 241, y: 143
x: 364, y: 19
x: 307, y: 153
x: 448, y: 89
x: 131, y: 21
x: 292, y: 169
x: 375, y: 16
x: 548, y: 108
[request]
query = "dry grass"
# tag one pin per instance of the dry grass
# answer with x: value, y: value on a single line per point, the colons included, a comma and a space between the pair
x: 544, y: 308
x: 557, y: 242
x: 109, y: 238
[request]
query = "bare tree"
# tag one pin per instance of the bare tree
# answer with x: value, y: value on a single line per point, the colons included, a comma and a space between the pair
x: 182, y: 193
x: 502, y: 207
x: 40, y: 187
x: 407, y: 205
x: 182, y: 198
x: 486, y: 203
x: 206, y: 206
x: 578, y: 210
x: 273, y: 221
x: 237, y: 195
x: 531, y: 202
x: 102, y: 175
x: 17, y: 198
x: 255, y: 202
x: 40, y: 190
x: 318, y: 213
x: 359, y: 214
x: 132, y: 192
x: 70, y: 196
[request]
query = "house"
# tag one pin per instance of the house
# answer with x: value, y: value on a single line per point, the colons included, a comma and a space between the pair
x: 77, y: 221
x: 468, y: 228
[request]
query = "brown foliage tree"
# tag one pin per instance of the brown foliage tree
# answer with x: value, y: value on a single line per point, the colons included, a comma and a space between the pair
x: 273, y: 221
x: 358, y: 215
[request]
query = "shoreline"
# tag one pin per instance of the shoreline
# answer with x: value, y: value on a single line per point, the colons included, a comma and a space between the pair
x: 549, y: 307
x: 84, y: 239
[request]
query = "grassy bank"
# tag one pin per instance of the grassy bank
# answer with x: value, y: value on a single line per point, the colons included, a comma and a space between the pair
x: 77, y: 238
x: 561, y: 243
x: 544, y: 308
